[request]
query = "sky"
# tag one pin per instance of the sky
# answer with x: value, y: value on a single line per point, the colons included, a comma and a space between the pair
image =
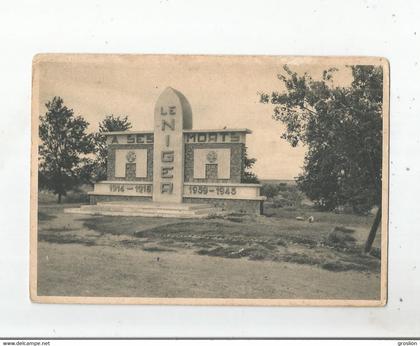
x: 222, y: 91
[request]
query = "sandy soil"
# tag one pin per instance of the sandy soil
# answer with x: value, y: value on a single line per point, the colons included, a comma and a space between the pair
x: 81, y: 255
x: 112, y: 271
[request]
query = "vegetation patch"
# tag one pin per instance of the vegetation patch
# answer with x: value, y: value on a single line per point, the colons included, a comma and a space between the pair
x: 117, y: 225
x: 235, y: 219
x: 131, y: 242
x: 252, y: 252
x: 157, y: 249
x: 42, y: 216
x: 58, y: 230
x: 227, y: 252
x: 341, y: 237
x: 338, y: 266
x: 375, y: 252
x: 300, y: 240
x: 52, y: 237
x: 259, y: 238
x: 300, y: 258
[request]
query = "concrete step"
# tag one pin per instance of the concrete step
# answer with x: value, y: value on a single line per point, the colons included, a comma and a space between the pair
x: 120, y: 213
x: 147, y: 210
x: 133, y: 208
x: 155, y: 206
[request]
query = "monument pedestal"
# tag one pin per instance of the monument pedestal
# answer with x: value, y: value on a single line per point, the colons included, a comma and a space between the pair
x: 149, y: 209
x: 174, y: 171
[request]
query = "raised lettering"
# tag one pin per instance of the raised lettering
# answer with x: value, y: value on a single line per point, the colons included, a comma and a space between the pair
x: 234, y: 137
x: 166, y: 188
x: 140, y: 139
x: 130, y: 139
x: 171, y: 125
x: 168, y: 156
x: 202, y: 137
x: 172, y: 110
x: 191, y: 137
x: 212, y: 137
x: 149, y: 138
x: 167, y: 172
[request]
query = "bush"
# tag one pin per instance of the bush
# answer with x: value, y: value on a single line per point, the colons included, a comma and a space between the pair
x: 76, y: 197
x: 341, y: 237
x: 283, y: 195
x: 269, y: 190
x: 73, y: 196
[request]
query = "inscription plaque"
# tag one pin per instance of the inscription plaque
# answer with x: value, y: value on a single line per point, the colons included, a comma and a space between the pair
x: 172, y: 116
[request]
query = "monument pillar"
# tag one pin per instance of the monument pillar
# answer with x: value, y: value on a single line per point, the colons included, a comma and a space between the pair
x: 172, y: 115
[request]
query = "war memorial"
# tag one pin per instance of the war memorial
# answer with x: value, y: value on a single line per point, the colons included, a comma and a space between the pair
x: 175, y: 170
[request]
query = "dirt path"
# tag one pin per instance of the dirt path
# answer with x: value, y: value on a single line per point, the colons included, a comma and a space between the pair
x: 82, y: 255
x: 80, y: 270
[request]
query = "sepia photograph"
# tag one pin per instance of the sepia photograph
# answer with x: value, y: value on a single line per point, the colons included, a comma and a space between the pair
x: 209, y: 180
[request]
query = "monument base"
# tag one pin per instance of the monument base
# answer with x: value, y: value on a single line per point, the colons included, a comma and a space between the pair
x: 233, y: 197
x: 95, y: 198
x: 243, y: 206
x: 148, y: 209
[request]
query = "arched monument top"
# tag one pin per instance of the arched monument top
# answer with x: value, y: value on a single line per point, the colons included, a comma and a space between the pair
x: 173, y: 115
x: 169, y: 95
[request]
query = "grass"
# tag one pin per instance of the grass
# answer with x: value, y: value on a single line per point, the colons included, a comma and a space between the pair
x: 130, y: 256
x: 301, y: 259
x: 45, y: 217
x: 58, y: 238
x: 157, y: 249
x: 341, y: 237
x: 77, y: 196
x: 320, y: 216
x: 325, y: 243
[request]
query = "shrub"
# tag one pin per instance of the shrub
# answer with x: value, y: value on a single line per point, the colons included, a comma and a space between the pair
x: 283, y: 195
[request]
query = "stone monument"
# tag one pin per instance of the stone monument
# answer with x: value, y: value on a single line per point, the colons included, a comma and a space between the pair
x: 175, y: 170
x: 172, y: 116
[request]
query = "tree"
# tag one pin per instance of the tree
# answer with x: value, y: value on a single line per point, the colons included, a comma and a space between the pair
x: 64, y: 143
x: 342, y: 129
x: 249, y: 177
x: 109, y: 124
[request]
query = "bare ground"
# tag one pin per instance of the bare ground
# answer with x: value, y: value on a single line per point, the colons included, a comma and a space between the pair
x: 236, y: 257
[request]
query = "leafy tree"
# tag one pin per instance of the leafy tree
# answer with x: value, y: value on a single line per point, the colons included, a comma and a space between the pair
x: 342, y: 129
x: 249, y: 177
x: 270, y: 190
x: 64, y: 143
x: 109, y: 124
